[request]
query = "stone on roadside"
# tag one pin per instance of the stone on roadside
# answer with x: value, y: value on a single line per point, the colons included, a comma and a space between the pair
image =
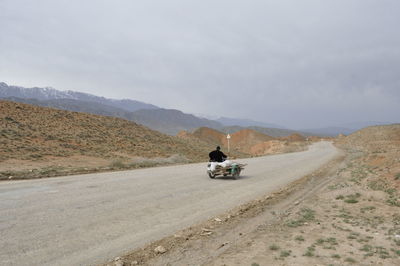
x: 217, y: 220
x: 160, y: 250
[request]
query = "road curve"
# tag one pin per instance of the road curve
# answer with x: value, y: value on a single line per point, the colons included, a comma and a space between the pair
x: 88, y: 219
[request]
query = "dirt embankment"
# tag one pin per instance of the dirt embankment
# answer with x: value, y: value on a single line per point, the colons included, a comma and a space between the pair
x: 347, y: 213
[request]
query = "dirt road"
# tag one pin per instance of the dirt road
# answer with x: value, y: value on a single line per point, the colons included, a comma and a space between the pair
x: 85, y: 220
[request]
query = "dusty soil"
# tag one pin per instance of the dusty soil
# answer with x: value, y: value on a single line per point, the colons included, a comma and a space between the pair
x: 347, y: 213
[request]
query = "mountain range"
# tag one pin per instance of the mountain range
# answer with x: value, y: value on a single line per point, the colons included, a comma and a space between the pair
x: 168, y: 121
x: 49, y: 93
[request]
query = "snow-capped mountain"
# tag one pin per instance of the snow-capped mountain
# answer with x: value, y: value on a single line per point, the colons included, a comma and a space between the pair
x: 48, y: 93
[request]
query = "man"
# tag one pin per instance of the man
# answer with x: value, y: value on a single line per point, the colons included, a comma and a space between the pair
x: 217, y: 155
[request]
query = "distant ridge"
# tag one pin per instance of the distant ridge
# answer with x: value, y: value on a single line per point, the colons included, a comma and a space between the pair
x: 273, y: 132
x: 48, y: 93
x: 227, y: 121
x: 171, y: 121
x: 346, y: 128
x: 167, y: 121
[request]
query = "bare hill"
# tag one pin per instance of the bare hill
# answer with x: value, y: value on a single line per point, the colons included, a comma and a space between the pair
x: 31, y: 133
x: 244, y: 142
x: 374, y: 138
x: 211, y: 138
x: 210, y: 135
x: 245, y: 139
x: 294, y: 137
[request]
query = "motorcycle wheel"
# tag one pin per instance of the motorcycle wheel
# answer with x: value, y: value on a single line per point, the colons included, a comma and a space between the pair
x: 211, y: 175
x: 236, y: 174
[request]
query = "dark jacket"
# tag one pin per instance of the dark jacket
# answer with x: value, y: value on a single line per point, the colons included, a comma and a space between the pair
x: 217, y: 156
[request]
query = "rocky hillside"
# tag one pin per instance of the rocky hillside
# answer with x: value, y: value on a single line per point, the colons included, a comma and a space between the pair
x: 30, y: 132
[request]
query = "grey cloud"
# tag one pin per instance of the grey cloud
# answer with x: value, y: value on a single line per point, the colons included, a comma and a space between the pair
x: 298, y: 63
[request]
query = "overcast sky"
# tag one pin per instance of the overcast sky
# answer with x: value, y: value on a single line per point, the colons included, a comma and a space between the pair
x: 295, y: 63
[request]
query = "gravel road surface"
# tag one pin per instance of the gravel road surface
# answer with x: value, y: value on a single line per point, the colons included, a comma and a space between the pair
x: 88, y: 219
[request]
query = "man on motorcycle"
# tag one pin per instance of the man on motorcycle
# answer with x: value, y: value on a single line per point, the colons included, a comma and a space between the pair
x: 217, y: 155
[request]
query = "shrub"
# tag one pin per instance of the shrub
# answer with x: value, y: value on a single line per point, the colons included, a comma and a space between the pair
x: 350, y: 260
x: 274, y: 247
x: 285, y: 253
x: 397, y: 176
x: 117, y: 164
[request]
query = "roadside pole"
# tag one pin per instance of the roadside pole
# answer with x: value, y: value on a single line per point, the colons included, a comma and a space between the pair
x: 228, y: 138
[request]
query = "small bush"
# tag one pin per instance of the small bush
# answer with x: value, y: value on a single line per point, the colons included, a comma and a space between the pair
x: 285, y: 253
x: 299, y: 238
x: 368, y: 208
x: 340, y: 197
x: 397, y: 176
x: 350, y: 260
x: 366, y: 248
x: 274, y: 247
x: 397, y: 252
x: 352, y: 200
x: 309, y: 252
x: 305, y: 215
x: 393, y: 201
x: 117, y: 164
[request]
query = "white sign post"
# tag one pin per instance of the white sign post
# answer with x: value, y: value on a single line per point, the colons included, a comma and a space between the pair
x: 228, y: 137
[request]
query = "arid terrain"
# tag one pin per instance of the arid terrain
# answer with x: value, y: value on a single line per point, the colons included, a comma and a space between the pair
x: 39, y: 142
x: 346, y: 213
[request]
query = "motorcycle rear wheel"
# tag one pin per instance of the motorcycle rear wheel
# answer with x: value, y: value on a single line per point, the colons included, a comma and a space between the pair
x: 236, y: 174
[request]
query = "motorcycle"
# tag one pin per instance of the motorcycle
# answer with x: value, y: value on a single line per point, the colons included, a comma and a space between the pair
x: 226, y: 168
